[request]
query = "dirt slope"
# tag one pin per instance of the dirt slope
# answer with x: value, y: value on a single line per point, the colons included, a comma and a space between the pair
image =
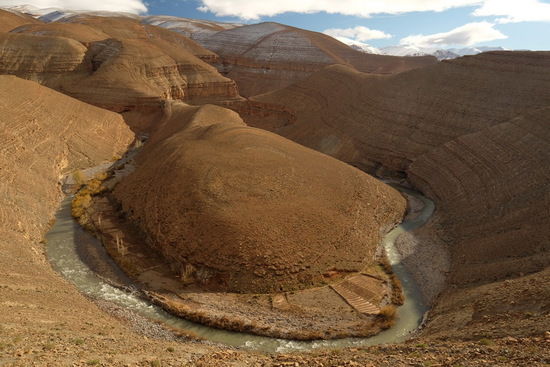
x: 10, y: 20
x: 267, y: 56
x: 473, y: 134
x: 276, y: 215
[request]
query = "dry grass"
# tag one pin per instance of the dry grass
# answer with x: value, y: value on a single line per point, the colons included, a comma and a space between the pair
x: 79, y: 177
x: 386, y: 317
x: 83, y: 198
x: 397, y: 297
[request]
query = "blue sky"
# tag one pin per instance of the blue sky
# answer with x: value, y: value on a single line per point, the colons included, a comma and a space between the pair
x: 513, y: 24
x: 530, y: 34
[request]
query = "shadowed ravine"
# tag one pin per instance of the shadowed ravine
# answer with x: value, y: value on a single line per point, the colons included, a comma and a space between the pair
x: 62, y: 250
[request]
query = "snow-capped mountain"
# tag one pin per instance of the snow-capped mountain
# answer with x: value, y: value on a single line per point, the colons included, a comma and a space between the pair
x: 359, y: 46
x: 440, y: 53
x: 192, y: 28
x: 411, y: 50
x: 475, y: 50
x: 59, y: 15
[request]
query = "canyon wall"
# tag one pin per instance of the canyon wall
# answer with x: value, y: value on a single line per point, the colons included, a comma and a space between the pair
x: 115, y: 63
x: 471, y: 133
x: 276, y: 215
x: 43, y: 136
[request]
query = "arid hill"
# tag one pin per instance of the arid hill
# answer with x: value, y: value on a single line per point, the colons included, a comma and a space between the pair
x: 473, y: 134
x: 193, y: 28
x: 250, y: 211
x: 10, y: 20
x: 115, y: 63
x: 46, y: 134
x: 267, y: 56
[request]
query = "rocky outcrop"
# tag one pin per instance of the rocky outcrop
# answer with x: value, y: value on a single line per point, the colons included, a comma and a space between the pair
x: 10, y: 20
x: 267, y: 56
x: 276, y: 215
x: 471, y: 133
x: 115, y: 63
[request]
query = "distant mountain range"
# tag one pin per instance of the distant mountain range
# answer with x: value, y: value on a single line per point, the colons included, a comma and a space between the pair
x: 410, y: 50
x: 199, y: 30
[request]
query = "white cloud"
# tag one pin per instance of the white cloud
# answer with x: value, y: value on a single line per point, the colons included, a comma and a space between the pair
x: 514, y: 11
x: 254, y: 9
x: 466, y: 35
x: 129, y: 6
x: 358, y: 33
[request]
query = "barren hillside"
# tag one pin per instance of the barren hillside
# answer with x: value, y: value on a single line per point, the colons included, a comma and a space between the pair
x: 10, y: 20
x: 267, y: 56
x: 115, y: 63
x: 473, y: 134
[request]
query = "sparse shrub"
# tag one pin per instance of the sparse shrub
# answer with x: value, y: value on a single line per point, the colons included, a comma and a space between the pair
x: 397, y: 297
x: 170, y: 349
x: 83, y: 198
x: 156, y: 363
x: 79, y: 177
x: 93, y: 362
x: 485, y: 341
x: 78, y: 341
x: 386, y: 317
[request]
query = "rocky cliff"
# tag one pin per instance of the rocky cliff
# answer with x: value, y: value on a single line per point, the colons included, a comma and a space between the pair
x: 276, y: 215
x: 115, y: 63
x: 471, y: 133
x: 267, y: 56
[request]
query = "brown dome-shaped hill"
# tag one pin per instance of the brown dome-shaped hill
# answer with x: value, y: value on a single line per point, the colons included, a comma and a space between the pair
x: 10, y: 20
x: 473, y: 133
x: 248, y: 211
x: 267, y: 56
x: 131, y: 75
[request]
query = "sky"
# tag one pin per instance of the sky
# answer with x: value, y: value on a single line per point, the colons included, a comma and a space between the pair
x: 512, y: 24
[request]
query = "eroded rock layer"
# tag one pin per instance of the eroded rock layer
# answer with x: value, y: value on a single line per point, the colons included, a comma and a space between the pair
x: 115, y: 63
x: 45, y: 134
x: 248, y: 211
x: 267, y: 56
x: 473, y: 134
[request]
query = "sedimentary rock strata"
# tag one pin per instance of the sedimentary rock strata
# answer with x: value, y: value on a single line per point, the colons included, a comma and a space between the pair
x: 473, y: 134
x: 193, y: 28
x: 267, y: 56
x: 245, y: 210
x: 117, y: 64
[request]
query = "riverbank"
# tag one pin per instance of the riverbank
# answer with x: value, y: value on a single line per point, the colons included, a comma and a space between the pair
x: 273, y: 315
